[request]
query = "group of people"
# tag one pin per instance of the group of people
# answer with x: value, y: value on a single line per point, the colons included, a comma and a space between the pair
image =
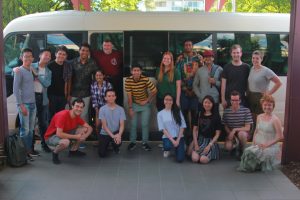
x: 188, y: 93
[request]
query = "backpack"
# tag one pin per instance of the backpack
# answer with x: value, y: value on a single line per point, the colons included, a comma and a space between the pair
x: 16, y: 151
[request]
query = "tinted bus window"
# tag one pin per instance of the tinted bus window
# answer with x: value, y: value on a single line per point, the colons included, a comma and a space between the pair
x: 274, y: 46
x: 70, y: 40
x: 98, y: 38
x: 144, y: 48
x: 12, y: 49
x: 201, y: 41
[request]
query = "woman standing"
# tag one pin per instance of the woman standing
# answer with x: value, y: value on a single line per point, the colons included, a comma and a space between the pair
x: 258, y: 81
x: 265, y: 152
x: 206, y: 131
x: 168, y: 80
x: 98, y: 89
x: 171, y: 122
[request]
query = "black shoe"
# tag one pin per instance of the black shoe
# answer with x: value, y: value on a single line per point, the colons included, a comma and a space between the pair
x: 55, y: 159
x: 116, y: 150
x: 46, y: 149
x: 29, y: 157
x: 131, y: 146
x: 34, y: 153
x: 76, y: 153
x: 146, y: 147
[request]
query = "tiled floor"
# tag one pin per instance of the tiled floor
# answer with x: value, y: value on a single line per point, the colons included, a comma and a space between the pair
x: 139, y: 175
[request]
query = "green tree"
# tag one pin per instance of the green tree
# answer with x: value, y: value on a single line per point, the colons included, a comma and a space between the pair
x: 116, y: 5
x: 16, y: 8
x: 261, y: 6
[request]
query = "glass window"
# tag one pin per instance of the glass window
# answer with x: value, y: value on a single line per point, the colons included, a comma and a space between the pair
x: 201, y: 41
x: 98, y: 38
x: 274, y: 46
x: 70, y: 40
x: 13, y: 46
x: 144, y: 48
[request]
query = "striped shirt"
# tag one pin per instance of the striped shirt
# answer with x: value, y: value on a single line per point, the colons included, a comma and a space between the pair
x: 139, y: 89
x: 237, y: 119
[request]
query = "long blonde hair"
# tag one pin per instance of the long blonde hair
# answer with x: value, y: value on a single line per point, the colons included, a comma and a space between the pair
x: 162, y: 68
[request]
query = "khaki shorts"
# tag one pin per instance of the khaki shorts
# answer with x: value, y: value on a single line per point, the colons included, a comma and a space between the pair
x: 54, y: 139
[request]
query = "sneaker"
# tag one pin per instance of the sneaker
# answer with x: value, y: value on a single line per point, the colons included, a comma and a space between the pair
x: 131, y: 146
x: 29, y: 157
x: 34, y: 153
x: 146, y: 147
x: 82, y: 146
x: 166, y: 154
x: 46, y: 149
x: 55, y: 159
x: 76, y: 153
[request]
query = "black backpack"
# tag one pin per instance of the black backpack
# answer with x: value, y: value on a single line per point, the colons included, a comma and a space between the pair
x: 16, y: 151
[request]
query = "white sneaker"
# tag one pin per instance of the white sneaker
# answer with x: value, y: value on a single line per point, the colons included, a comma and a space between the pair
x: 166, y: 154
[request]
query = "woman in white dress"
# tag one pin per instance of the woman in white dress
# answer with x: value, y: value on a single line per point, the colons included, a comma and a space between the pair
x: 265, y: 152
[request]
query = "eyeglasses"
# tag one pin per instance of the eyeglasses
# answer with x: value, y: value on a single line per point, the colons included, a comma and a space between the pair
x: 234, y: 100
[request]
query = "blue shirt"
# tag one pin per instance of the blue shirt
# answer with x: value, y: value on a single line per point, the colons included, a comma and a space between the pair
x: 166, y: 121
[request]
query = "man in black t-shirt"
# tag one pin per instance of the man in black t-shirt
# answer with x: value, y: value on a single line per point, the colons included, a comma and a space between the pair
x: 234, y: 77
x: 83, y: 69
x: 61, y: 75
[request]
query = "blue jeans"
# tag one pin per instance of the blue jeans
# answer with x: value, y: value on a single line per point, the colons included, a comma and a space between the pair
x: 145, y: 116
x: 179, y: 150
x: 27, y: 124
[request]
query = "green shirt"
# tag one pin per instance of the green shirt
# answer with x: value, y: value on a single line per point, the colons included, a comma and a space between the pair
x: 165, y: 86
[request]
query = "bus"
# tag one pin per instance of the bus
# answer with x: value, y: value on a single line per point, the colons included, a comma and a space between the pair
x: 144, y: 36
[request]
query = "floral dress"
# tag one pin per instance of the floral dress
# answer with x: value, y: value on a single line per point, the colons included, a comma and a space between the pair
x: 255, y: 158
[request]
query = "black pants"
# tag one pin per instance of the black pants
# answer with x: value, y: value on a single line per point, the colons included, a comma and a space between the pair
x: 104, y: 141
x: 56, y: 104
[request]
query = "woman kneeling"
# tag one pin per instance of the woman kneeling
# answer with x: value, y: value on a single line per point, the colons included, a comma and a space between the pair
x: 171, y: 122
x: 206, y: 131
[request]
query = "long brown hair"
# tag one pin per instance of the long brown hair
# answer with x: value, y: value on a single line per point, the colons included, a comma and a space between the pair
x: 162, y: 68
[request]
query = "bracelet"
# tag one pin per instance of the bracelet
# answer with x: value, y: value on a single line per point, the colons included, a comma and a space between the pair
x: 210, y: 143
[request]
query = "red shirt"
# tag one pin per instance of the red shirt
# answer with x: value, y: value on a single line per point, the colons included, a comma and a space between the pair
x: 110, y: 64
x: 64, y: 121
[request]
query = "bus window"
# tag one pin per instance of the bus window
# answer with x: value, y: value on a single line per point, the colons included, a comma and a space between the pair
x: 274, y: 46
x: 13, y: 46
x: 201, y: 41
x: 144, y: 48
x: 98, y: 38
x: 70, y: 40
x: 276, y: 55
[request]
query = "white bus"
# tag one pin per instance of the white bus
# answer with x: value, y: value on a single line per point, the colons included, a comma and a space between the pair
x: 144, y: 36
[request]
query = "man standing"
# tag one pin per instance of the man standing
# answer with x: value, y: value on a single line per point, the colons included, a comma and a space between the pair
x: 83, y: 69
x: 208, y: 79
x: 234, y: 77
x: 188, y: 63
x: 112, y: 118
x: 23, y: 90
x: 111, y: 63
x: 237, y: 121
x: 67, y: 126
x: 41, y: 82
x: 61, y: 75
x: 139, y: 102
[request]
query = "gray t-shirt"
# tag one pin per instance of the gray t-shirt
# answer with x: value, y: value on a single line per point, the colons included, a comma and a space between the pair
x: 24, y: 86
x: 112, y: 117
x: 202, y: 87
x: 259, y: 80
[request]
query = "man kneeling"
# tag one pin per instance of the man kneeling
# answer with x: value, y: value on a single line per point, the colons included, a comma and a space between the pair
x: 67, y: 127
